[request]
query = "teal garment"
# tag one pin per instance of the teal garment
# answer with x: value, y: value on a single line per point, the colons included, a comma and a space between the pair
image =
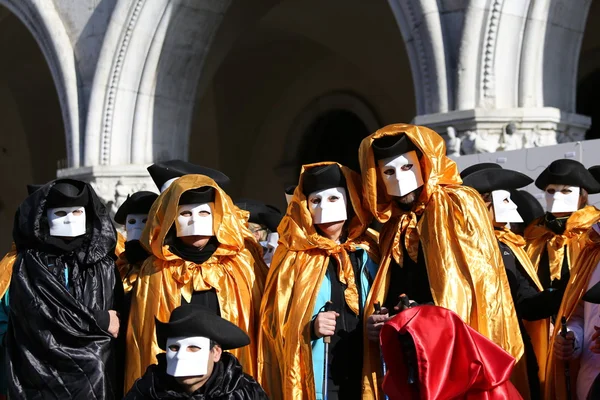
x: 3, y: 327
x: 368, y: 270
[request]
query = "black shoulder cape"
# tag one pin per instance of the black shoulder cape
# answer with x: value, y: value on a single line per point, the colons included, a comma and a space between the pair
x: 55, y: 346
x: 227, y: 382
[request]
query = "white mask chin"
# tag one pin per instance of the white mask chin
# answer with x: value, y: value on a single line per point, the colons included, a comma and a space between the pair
x: 505, y: 210
x: 135, y: 226
x: 67, y: 221
x: 401, y: 174
x: 195, y: 220
x: 328, y: 205
x: 288, y: 198
x: 562, y: 198
x: 188, y: 356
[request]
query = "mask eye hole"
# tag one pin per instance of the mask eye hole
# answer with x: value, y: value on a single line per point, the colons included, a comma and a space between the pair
x: 333, y: 199
x: 566, y: 191
x: 406, y: 167
x: 186, y: 213
x: 60, y: 213
x: 550, y: 191
x: 506, y: 201
x: 315, y: 200
x: 131, y: 221
x: 204, y: 213
x: 193, y: 349
x: 174, y: 347
x: 77, y: 213
x: 389, y: 171
x: 145, y: 220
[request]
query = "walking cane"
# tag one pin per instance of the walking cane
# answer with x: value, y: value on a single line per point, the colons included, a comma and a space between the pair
x: 377, y: 307
x: 563, y: 333
x: 326, y: 340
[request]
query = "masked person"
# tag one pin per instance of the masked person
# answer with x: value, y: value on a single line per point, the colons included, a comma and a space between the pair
x: 263, y: 223
x: 529, y: 209
x: 133, y: 213
x: 64, y: 296
x: 195, y: 365
x: 555, y: 240
x: 451, y: 361
x: 532, y: 303
x: 201, y: 253
x: 427, y: 245
x: 324, y: 255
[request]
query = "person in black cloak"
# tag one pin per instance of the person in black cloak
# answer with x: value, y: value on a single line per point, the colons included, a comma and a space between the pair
x: 263, y: 223
x: 64, y: 296
x: 195, y: 365
x: 532, y: 303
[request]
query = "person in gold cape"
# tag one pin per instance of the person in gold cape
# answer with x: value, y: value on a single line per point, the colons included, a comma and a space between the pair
x: 325, y: 253
x: 437, y: 243
x: 534, y: 305
x: 555, y: 240
x: 203, y: 253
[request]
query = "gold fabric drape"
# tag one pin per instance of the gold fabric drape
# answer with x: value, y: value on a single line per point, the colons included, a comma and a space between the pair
x: 120, y: 248
x: 297, y: 270
x: 235, y: 272
x: 581, y: 271
x: 540, y: 238
x: 537, y: 330
x: 128, y: 272
x: 465, y: 268
x: 6, y: 267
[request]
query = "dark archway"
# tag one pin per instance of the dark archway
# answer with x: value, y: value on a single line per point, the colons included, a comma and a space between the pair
x: 334, y: 136
x: 588, y: 102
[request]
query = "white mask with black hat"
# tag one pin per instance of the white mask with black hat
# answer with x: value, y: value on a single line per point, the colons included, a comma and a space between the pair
x: 188, y: 356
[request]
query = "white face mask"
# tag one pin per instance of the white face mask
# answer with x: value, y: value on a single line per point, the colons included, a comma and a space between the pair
x: 562, y: 198
x: 66, y: 221
x: 135, y: 225
x: 188, y: 356
x: 168, y: 183
x: 505, y: 210
x: 401, y: 174
x: 195, y: 219
x: 288, y: 198
x: 328, y: 205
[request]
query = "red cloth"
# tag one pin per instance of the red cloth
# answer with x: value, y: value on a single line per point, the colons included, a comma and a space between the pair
x: 453, y: 360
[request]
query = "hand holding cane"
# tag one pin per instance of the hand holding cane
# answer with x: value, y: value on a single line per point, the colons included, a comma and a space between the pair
x: 326, y: 340
x: 563, y: 333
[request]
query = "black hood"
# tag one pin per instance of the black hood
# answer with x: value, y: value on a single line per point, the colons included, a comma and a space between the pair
x: 31, y: 229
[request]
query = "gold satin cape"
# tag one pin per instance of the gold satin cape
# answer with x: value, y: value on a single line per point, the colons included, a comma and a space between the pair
x: 128, y: 272
x: 236, y: 271
x: 6, y: 267
x: 464, y: 265
x: 537, y: 330
x: 581, y: 271
x: 297, y: 271
x: 120, y: 248
x: 540, y: 238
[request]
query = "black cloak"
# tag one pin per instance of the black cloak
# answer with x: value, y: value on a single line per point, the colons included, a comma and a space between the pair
x: 57, y: 341
x: 227, y: 382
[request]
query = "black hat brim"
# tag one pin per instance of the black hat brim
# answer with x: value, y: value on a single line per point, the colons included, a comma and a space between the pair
x: 164, y: 171
x: 478, y: 167
x: 193, y: 320
x: 488, y: 180
x: 567, y: 172
x: 137, y: 203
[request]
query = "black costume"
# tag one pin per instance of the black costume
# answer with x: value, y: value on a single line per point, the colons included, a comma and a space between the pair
x: 58, y: 343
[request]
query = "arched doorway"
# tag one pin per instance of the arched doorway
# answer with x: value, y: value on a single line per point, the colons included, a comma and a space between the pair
x: 32, y: 134
x: 250, y: 118
x: 588, y: 102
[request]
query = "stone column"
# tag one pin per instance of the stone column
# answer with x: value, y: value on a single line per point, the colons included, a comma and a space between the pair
x: 502, y: 73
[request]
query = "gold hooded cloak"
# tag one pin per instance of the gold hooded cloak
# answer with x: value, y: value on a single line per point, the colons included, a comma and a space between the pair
x: 128, y: 272
x: 464, y: 265
x: 236, y: 271
x: 581, y: 271
x: 297, y: 270
x: 540, y: 238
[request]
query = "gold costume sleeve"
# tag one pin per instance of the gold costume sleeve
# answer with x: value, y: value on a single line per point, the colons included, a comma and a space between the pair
x: 581, y: 272
x: 128, y: 272
x: 6, y: 267
x: 233, y: 271
x: 464, y: 264
x: 120, y: 248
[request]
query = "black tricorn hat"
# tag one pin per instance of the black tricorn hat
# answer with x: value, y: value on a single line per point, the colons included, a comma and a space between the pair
x: 478, y: 167
x: 191, y: 320
x: 161, y: 172
x: 390, y: 146
x: 595, y: 171
x: 593, y: 295
x: 490, y: 178
x: 68, y: 193
x: 137, y: 203
x: 567, y: 172
x: 321, y: 178
x: 201, y: 195
x: 290, y: 189
x: 261, y: 213
x: 529, y: 207
x: 31, y: 188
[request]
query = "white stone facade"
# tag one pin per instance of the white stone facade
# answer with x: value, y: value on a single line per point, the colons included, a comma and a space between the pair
x: 501, y: 73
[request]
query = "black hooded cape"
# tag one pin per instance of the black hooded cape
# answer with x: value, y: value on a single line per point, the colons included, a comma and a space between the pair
x: 227, y: 382
x: 55, y: 344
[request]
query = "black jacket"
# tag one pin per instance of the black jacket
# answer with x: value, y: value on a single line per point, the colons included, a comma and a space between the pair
x: 227, y: 382
x: 60, y: 293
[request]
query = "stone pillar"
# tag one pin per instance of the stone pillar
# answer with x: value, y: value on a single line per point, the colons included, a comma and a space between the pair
x: 502, y: 73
